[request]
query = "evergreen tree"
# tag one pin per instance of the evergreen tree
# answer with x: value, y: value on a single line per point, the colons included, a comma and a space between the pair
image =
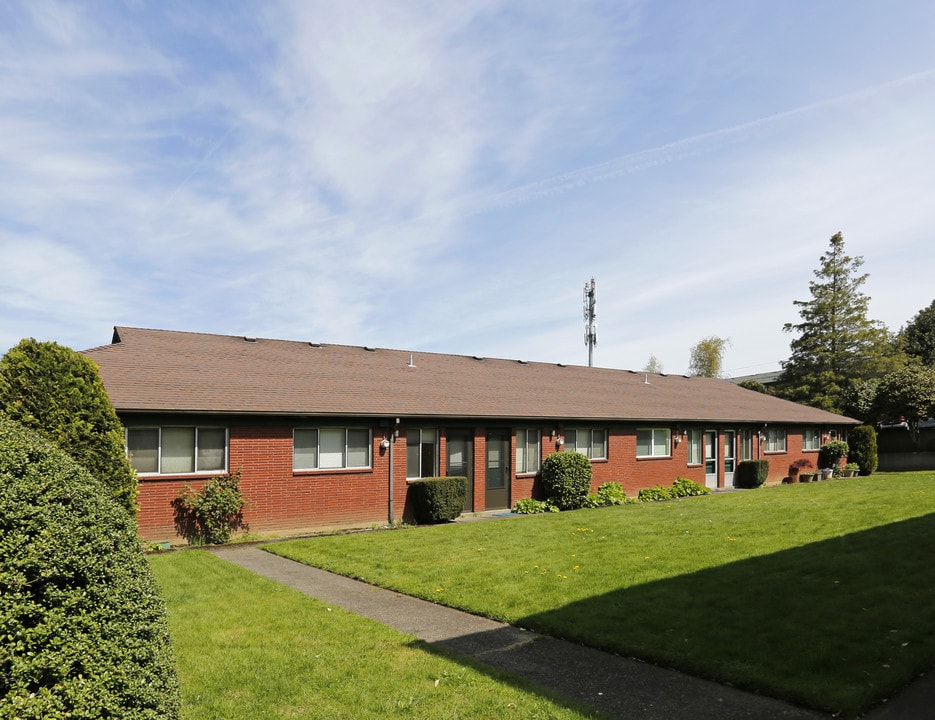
x: 707, y: 357
x: 836, y: 343
x: 58, y: 392
x: 918, y: 337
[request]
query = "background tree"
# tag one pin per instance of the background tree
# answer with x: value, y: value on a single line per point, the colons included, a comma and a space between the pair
x: 918, y: 337
x: 754, y: 385
x: 653, y: 365
x: 59, y: 393
x: 837, y: 343
x: 707, y: 357
x: 908, y: 392
x: 858, y: 398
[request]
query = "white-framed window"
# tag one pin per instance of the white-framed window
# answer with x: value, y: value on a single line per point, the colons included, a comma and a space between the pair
x: 695, y: 447
x: 746, y: 444
x: 811, y: 439
x: 653, y: 442
x: 587, y: 441
x: 775, y: 440
x: 421, y: 452
x: 331, y: 448
x: 175, y: 450
x: 527, y: 450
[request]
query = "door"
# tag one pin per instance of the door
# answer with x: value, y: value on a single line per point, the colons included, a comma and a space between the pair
x: 461, y: 461
x: 710, y: 458
x: 498, y: 470
x: 730, y: 457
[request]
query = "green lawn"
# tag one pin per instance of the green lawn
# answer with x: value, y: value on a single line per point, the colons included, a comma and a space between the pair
x: 247, y: 647
x: 822, y: 594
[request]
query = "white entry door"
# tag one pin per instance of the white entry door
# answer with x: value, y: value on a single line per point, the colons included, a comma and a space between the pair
x: 730, y: 457
x: 710, y: 459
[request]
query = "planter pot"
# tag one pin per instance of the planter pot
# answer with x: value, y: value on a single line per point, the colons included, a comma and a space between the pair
x: 805, y: 477
x: 827, y: 473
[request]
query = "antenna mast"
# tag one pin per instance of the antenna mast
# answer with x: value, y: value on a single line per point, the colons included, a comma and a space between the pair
x: 590, y: 329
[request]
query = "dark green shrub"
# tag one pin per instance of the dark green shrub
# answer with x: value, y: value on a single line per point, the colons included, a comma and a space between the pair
x: 529, y: 506
x: 59, y: 393
x: 686, y: 487
x: 566, y: 479
x: 437, y: 500
x: 862, y: 448
x: 751, y: 473
x: 654, y: 494
x: 209, y: 516
x: 84, y: 632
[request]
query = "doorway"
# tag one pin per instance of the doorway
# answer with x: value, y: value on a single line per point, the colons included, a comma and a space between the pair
x: 497, y: 494
x: 710, y: 459
x: 730, y: 457
x: 461, y: 461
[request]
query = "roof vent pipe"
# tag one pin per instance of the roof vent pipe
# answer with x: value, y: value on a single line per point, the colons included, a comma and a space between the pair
x: 410, y: 361
x: 646, y: 378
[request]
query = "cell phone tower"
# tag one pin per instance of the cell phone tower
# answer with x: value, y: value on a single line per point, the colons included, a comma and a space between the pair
x: 590, y: 329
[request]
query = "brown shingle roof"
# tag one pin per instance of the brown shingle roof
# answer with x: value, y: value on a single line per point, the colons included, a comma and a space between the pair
x: 167, y: 371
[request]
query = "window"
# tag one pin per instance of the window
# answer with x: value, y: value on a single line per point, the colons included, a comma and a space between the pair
x: 592, y: 443
x: 695, y: 456
x: 811, y: 439
x: 527, y: 450
x: 775, y: 440
x: 746, y: 444
x: 330, y: 448
x: 177, y: 450
x: 421, y: 452
x: 653, y: 442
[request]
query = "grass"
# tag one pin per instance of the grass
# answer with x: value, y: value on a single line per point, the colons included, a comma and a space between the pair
x: 247, y: 647
x: 820, y: 594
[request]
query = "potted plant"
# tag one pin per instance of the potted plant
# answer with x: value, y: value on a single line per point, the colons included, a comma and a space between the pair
x: 852, y: 469
x: 830, y: 455
x: 796, y: 467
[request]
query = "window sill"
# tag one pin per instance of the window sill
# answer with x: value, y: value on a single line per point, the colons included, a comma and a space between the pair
x: 180, y: 476
x: 640, y: 458
x: 333, y: 471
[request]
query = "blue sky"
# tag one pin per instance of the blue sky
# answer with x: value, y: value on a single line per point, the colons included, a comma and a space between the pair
x: 446, y: 177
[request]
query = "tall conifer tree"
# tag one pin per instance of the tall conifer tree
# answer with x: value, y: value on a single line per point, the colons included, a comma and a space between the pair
x: 836, y: 343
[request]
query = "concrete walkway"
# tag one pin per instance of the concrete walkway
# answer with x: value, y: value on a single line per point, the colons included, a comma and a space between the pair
x: 615, y: 686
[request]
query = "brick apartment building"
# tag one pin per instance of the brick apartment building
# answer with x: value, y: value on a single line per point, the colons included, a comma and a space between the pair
x: 331, y: 435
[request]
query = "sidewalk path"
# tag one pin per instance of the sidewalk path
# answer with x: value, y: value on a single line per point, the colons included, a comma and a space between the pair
x: 616, y: 686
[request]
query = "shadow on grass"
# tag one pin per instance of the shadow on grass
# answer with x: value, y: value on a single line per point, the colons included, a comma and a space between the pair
x: 836, y: 625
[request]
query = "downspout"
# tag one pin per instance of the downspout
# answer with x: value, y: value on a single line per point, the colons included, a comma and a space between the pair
x: 392, y: 443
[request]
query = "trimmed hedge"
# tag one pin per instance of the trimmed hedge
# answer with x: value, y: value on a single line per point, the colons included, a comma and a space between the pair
x: 57, y: 392
x: 83, y: 630
x: 566, y: 479
x: 751, y: 473
x: 862, y: 448
x: 438, y: 500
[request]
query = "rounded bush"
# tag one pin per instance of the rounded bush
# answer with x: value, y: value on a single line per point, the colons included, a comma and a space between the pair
x: 751, y: 473
x: 566, y: 479
x: 84, y: 632
x: 862, y: 448
x: 438, y: 500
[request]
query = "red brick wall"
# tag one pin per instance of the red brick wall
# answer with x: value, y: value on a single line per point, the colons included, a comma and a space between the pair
x: 281, y: 499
